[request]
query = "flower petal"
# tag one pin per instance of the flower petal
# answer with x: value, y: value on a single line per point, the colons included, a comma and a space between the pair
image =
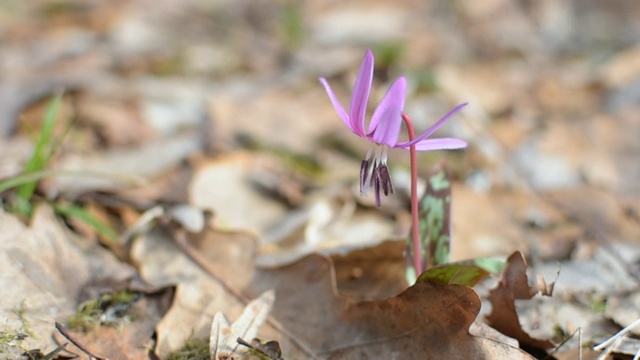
x: 360, y: 95
x: 387, y: 119
x: 433, y: 128
x: 439, y: 144
x: 336, y: 104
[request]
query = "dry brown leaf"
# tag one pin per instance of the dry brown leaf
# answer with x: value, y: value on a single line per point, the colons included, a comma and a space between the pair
x: 311, y: 319
x: 372, y: 273
x: 43, y: 268
x: 198, y: 296
x: 411, y: 322
x: 126, y: 329
x: 425, y: 321
x: 128, y: 340
x: 513, y: 286
x: 222, y: 185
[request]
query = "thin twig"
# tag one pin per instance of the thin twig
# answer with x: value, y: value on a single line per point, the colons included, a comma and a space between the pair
x: 579, y: 343
x: 620, y: 333
x: 577, y: 331
x: 54, y: 352
x: 609, y: 349
x: 75, y: 342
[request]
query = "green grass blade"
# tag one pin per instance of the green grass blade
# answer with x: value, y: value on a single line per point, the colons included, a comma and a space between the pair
x: 23, y: 179
x: 84, y: 216
x: 41, y: 155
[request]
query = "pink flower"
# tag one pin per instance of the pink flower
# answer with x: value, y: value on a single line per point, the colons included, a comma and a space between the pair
x: 384, y: 127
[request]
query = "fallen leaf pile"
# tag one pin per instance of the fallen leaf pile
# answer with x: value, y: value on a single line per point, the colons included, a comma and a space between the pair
x: 199, y: 198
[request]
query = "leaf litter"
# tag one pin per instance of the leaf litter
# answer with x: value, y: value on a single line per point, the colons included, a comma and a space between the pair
x: 233, y: 154
x: 369, y: 322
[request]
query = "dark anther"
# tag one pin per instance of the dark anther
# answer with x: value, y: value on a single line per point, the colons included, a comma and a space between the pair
x: 385, y: 178
x: 364, y: 172
x: 376, y: 186
x: 380, y: 179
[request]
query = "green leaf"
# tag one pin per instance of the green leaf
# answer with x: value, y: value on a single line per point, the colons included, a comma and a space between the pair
x: 492, y: 265
x: 467, y: 273
x: 435, y: 222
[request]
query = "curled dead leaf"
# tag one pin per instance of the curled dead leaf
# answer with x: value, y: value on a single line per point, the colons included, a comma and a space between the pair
x: 513, y: 286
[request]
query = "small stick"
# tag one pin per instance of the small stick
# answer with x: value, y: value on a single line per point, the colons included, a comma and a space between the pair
x: 75, y: 342
x: 620, y: 334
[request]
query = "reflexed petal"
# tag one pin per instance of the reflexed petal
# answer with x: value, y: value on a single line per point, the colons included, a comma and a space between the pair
x: 440, y: 144
x: 336, y: 104
x: 433, y: 128
x: 387, y: 119
x: 360, y: 95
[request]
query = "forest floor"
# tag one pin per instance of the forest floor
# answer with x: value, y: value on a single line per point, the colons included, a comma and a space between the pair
x: 195, y: 172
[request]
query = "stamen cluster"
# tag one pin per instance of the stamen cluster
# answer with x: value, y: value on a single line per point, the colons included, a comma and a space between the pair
x: 377, y: 172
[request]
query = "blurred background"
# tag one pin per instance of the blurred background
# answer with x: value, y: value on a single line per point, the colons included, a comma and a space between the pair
x: 216, y: 104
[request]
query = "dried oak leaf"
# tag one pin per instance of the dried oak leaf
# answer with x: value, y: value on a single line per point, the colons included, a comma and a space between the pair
x: 424, y: 321
x: 371, y: 273
x: 43, y: 270
x: 514, y: 285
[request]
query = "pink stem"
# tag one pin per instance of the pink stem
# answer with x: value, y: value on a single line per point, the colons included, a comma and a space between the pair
x: 415, y: 225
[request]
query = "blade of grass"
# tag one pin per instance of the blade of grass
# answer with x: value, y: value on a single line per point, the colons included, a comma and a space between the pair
x: 41, y: 156
x: 83, y: 215
x: 23, y: 179
x: 57, y: 141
